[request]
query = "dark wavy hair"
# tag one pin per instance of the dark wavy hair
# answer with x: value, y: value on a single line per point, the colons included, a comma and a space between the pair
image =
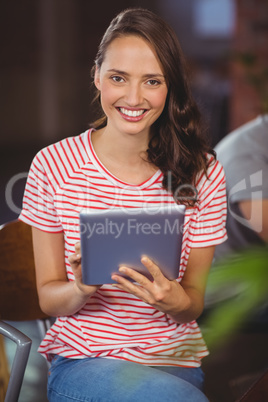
x: 177, y: 146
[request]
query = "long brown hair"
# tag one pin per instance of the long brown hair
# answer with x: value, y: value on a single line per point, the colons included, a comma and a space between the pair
x: 176, y: 146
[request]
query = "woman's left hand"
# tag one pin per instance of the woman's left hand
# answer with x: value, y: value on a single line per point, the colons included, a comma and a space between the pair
x: 164, y: 295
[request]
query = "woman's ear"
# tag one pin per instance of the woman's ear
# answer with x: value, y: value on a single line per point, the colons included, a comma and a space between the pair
x: 97, y: 78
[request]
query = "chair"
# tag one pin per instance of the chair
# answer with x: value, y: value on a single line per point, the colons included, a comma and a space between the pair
x: 24, y: 343
x: 18, y: 296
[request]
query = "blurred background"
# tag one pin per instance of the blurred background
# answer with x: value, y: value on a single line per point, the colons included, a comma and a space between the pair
x: 47, y: 51
x: 48, y: 48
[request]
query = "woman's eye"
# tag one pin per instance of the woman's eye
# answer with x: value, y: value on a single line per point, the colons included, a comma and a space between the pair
x: 116, y: 78
x: 153, y: 82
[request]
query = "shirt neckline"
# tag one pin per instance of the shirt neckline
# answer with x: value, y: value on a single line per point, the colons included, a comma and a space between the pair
x: 112, y: 178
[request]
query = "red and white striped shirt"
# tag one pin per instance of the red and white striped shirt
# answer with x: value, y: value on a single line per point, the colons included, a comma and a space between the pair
x: 67, y: 177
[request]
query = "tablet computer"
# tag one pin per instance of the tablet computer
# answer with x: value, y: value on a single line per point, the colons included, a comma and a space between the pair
x: 120, y: 236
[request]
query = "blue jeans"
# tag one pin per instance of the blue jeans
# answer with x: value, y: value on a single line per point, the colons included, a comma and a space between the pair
x: 100, y: 379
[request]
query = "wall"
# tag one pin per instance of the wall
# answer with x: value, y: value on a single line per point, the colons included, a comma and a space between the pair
x: 47, y: 50
x: 250, y: 41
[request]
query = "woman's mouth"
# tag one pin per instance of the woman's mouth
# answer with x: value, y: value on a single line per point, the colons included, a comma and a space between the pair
x: 131, y: 115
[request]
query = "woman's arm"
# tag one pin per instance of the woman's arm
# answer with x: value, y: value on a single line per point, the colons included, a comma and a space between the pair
x: 184, y: 302
x: 57, y: 295
x: 194, y: 282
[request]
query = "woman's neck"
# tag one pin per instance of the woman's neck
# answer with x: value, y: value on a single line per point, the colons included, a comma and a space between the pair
x: 124, y: 156
x: 125, y: 149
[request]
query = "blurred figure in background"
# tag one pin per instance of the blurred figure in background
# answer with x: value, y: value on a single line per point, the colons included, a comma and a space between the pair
x: 243, y: 154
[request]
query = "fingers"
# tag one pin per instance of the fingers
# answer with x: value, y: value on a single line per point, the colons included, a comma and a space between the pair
x: 152, y: 268
x: 76, y: 257
x: 134, y: 275
x: 75, y: 262
x: 150, y: 292
x: 77, y: 247
x: 137, y: 289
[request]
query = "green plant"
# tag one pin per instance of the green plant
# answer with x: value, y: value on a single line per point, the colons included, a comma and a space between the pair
x: 248, y: 274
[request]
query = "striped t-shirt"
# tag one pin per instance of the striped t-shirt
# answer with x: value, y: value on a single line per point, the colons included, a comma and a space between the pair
x: 67, y: 177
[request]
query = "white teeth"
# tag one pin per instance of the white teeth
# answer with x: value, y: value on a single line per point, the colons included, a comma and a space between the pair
x: 131, y: 113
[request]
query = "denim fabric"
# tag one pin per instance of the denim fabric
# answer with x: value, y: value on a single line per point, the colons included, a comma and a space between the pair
x: 112, y: 380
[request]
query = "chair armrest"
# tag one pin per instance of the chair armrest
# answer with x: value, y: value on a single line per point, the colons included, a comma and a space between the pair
x: 20, y: 360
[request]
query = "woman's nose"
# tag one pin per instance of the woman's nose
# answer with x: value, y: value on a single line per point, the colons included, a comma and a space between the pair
x: 134, y: 95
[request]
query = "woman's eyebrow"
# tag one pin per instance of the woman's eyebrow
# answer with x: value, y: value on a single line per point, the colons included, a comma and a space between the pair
x: 114, y: 70
x: 120, y: 72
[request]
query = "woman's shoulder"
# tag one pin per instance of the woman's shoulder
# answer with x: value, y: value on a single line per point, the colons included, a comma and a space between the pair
x: 213, y: 175
x: 214, y: 167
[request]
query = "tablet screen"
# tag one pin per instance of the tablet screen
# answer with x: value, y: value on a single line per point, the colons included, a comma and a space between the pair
x: 114, y: 237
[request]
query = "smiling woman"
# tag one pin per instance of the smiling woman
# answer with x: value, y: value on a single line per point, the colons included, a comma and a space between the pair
x: 133, y: 93
x: 132, y: 87
x: 144, y: 151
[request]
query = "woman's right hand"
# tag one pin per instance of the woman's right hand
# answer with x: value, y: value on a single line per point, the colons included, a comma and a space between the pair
x: 75, y: 262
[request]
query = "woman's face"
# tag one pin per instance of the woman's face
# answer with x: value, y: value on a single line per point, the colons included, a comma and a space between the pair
x: 132, y: 85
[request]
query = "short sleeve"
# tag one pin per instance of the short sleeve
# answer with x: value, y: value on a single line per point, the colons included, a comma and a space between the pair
x: 38, y: 200
x: 207, y: 226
